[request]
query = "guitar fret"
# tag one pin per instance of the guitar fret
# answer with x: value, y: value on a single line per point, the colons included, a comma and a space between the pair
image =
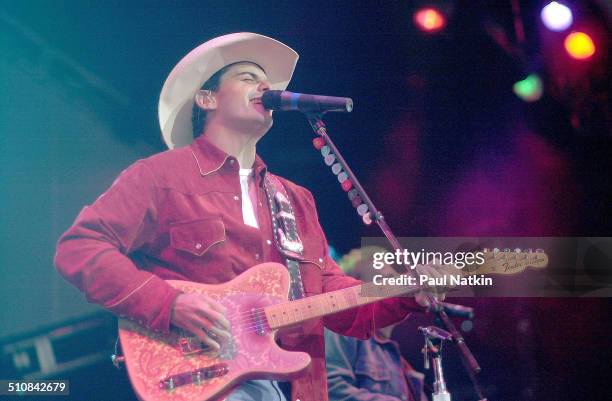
x: 351, y: 297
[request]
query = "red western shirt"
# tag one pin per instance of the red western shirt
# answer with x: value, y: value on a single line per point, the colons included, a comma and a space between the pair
x: 178, y: 215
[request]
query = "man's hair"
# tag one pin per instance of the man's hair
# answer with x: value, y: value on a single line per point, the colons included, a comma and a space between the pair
x: 198, y: 115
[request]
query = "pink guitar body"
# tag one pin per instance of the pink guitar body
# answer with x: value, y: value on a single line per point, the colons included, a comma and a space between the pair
x: 170, y: 368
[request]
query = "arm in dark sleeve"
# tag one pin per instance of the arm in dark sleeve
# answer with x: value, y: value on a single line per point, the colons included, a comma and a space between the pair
x: 92, y: 254
x: 340, y: 356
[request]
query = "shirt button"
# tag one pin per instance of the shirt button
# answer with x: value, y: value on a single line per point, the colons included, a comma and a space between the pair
x: 256, y: 256
x: 320, y: 260
x: 198, y: 245
x: 231, y: 161
x: 268, y: 242
x: 236, y: 197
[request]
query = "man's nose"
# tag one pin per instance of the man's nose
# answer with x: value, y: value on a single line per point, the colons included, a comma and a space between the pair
x: 264, y: 85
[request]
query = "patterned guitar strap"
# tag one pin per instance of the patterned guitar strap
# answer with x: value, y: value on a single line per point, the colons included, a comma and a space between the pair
x: 285, y: 232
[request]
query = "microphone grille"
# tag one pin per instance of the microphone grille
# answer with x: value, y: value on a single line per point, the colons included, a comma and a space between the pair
x: 271, y: 99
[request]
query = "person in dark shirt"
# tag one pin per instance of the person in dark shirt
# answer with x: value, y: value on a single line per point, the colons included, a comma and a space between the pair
x: 372, y: 369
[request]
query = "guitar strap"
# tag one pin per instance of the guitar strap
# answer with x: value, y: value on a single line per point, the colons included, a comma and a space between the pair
x: 285, y: 232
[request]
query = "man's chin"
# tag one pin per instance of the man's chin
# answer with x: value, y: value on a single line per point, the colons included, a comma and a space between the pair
x: 257, y: 126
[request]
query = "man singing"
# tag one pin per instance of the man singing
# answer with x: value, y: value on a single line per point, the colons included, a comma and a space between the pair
x: 200, y: 212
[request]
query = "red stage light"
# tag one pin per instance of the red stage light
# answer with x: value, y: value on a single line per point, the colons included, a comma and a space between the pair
x: 579, y: 45
x: 429, y: 19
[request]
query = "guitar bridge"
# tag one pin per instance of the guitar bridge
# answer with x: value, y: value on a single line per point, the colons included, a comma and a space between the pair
x: 193, y: 377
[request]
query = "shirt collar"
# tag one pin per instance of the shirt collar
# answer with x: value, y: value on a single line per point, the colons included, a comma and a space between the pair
x: 210, y: 159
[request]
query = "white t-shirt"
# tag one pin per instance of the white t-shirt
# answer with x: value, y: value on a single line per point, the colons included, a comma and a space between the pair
x: 249, y: 197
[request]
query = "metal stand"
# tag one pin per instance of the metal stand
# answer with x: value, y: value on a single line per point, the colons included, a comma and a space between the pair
x: 368, y: 212
x: 434, y: 340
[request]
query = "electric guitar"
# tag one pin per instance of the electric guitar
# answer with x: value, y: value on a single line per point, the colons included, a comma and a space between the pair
x: 177, y: 367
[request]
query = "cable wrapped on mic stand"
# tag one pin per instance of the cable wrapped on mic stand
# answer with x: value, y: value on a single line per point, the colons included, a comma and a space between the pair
x: 369, y: 213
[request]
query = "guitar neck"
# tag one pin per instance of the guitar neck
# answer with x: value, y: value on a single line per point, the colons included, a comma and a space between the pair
x: 298, y: 311
x: 294, y: 312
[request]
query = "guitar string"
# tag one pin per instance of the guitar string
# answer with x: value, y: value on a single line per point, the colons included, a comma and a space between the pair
x: 253, y: 315
x: 258, y: 325
x: 246, y: 321
x: 247, y: 317
x: 246, y: 314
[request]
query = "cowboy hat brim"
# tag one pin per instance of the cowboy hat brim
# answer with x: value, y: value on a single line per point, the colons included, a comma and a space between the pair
x: 187, y: 77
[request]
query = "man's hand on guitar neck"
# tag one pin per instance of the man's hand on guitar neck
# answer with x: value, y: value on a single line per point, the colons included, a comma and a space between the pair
x: 202, y: 316
x: 434, y: 272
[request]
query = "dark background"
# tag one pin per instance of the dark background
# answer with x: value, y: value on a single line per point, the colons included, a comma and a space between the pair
x: 437, y: 137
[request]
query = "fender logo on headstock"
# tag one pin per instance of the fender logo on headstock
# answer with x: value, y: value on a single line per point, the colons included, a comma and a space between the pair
x: 509, y: 262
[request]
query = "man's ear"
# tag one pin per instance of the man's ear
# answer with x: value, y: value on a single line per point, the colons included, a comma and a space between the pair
x: 205, y: 99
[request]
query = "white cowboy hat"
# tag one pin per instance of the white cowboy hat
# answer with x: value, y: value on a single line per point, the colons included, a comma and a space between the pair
x: 187, y: 77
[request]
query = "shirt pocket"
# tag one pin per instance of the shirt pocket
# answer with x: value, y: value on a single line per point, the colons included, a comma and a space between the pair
x: 197, y: 236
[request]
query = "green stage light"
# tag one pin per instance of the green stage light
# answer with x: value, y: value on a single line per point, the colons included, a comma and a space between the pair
x: 529, y: 89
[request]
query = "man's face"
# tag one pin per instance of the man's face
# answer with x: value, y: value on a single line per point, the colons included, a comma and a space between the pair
x: 237, y: 102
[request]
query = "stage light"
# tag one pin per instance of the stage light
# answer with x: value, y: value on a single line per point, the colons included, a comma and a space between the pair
x: 579, y: 45
x: 529, y: 89
x: 429, y: 19
x: 556, y: 16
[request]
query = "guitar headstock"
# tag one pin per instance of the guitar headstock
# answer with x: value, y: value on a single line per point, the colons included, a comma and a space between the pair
x: 508, y: 262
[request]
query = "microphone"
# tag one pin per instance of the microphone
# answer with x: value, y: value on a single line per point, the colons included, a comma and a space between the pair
x: 288, y: 101
x: 454, y: 310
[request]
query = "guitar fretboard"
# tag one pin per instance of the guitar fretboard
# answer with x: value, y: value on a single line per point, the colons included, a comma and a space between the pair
x: 294, y: 312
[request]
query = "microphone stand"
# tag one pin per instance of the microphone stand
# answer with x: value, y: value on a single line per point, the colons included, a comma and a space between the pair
x: 434, y: 341
x: 369, y: 213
